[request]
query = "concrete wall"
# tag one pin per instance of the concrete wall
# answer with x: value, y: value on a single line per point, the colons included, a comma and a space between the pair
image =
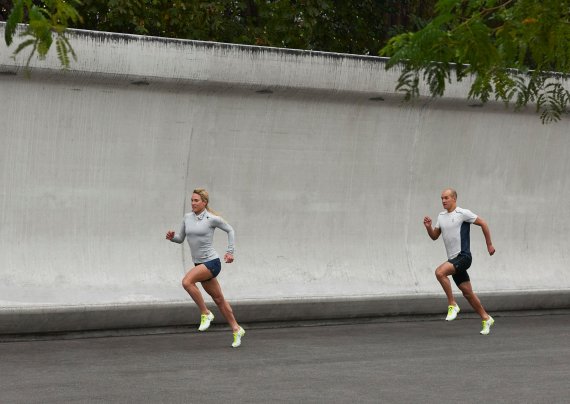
x: 324, y: 174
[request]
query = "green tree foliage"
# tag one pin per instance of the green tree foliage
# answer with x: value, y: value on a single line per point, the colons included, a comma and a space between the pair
x: 360, y: 27
x: 45, y: 20
x: 510, y: 48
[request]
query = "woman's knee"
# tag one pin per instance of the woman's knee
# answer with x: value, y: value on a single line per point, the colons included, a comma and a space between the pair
x: 187, y: 282
x: 216, y: 294
x: 219, y: 300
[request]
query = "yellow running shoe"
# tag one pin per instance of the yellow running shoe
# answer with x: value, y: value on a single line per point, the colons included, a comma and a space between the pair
x: 452, y: 312
x: 487, y: 325
x: 237, y: 337
x: 205, y: 320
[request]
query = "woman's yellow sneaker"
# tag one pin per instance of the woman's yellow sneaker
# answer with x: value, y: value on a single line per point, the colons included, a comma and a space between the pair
x: 487, y: 325
x: 205, y: 320
x: 237, y: 337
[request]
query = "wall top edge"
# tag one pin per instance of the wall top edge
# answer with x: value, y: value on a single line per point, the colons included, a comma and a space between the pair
x: 132, y: 39
x: 190, y: 62
x: 101, y: 35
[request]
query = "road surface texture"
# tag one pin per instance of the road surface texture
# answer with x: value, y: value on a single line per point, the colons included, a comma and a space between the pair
x: 526, y: 359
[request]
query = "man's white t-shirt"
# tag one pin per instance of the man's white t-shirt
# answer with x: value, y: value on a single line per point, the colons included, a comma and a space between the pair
x: 455, y: 230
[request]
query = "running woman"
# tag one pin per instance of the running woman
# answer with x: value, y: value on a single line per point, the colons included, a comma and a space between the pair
x: 453, y: 223
x: 198, y: 228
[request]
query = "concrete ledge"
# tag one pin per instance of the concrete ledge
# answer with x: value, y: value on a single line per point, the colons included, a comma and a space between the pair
x: 126, y: 58
x: 37, y: 320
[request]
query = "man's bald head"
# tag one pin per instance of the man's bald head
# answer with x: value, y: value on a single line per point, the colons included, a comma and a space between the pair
x: 452, y: 192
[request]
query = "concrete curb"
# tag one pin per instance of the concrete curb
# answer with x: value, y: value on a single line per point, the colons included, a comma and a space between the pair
x: 38, y: 320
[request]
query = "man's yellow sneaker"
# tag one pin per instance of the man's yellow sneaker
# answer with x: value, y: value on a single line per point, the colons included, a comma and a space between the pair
x: 452, y: 312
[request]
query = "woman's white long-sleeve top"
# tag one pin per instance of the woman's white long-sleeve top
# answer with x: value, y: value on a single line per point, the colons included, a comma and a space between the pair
x: 199, y: 231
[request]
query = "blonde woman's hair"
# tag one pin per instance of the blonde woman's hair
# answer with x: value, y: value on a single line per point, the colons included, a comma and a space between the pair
x: 206, y: 198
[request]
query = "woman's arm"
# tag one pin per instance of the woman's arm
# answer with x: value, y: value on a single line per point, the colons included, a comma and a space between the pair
x: 177, y: 238
x: 223, y: 225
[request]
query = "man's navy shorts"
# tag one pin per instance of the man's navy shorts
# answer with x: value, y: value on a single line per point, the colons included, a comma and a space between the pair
x: 461, y: 264
x: 215, y: 266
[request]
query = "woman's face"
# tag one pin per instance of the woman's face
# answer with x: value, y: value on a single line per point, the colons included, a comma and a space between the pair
x: 198, y: 205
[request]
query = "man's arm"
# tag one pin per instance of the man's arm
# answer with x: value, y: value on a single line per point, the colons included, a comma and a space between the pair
x: 487, y: 233
x: 433, y: 233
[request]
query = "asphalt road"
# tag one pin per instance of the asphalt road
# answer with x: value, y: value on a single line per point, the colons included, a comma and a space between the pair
x: 526, y: 359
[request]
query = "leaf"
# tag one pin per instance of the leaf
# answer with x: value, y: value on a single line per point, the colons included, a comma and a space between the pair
x: 24, y: 44
x: 44, y: 19
x: 68, y: 47
x: 436, y: 75
x: 408, y: 83
x: 16, y: 16
x: 62, y: 53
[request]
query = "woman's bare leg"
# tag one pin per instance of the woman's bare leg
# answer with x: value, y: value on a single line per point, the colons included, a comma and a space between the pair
x: 213, y: 288
x: 197, y: 274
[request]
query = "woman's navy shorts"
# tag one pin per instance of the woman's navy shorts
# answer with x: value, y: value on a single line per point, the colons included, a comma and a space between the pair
x: 461, y: 263
x: 215, y: 266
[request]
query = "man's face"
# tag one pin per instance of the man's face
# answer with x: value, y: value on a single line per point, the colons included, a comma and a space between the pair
x: 447, y: 200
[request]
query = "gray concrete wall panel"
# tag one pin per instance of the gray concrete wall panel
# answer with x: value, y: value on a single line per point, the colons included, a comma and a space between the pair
x: 312, y: 158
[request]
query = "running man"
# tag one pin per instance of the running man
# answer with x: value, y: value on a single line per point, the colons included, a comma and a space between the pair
x: 453, y: 223
x: 198, y: 227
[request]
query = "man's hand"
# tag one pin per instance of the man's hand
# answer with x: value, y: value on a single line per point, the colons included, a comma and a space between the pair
x: 169, y: 235
x: 433, y: 233
x: 491, y: 249
x: 229, y: 258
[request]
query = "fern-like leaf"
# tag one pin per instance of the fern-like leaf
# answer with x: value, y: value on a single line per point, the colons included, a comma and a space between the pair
x: 25, y: 44
x: 16, y: 16
x: 62, y: 52
x: 68, y: 46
